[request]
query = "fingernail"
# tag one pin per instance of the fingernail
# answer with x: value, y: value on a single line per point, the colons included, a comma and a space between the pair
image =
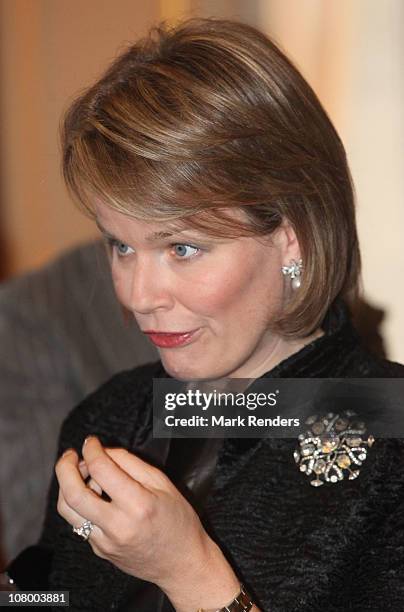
x: 87, y: 439
x: 67, y: 452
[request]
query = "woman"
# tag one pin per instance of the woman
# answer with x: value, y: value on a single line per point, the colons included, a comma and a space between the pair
x: 223, y: 192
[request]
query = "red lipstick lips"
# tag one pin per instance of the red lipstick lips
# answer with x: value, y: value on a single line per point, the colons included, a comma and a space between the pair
x: 170, y: 340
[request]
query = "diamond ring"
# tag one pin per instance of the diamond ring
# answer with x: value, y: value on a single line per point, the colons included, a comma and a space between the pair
x: 84, y: 530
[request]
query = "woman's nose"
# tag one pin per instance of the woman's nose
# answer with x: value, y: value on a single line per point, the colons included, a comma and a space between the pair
x: 149, y: 288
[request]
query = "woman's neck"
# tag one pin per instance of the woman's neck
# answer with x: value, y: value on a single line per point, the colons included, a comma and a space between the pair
x: 281, y: 350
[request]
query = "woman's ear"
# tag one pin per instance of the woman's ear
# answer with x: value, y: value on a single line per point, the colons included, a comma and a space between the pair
x: 286, y: 240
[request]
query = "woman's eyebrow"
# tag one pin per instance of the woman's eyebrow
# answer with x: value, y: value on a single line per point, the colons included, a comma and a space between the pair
x: 153, y: 237
x: 156, y: 236
x: 102, y: 229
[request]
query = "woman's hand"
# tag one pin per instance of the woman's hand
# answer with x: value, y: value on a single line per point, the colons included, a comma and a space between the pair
x: 148, y: 529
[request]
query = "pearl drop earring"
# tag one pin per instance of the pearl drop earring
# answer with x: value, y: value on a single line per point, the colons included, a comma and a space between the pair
x: 294, y: 270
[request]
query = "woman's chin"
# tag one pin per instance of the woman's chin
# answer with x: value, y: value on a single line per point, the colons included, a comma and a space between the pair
x: 181, y: 373
x: 186, y: 370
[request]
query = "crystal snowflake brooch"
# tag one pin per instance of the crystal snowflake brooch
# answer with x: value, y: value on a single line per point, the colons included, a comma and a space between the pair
x: 333, y: 447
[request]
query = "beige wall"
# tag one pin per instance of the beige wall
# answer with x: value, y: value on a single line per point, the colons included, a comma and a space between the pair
x: 374, y: 138
x: 350, y: 51
x: 50, y: 50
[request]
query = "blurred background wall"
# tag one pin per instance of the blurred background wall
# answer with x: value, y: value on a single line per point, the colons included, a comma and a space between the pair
x: 350, y: 51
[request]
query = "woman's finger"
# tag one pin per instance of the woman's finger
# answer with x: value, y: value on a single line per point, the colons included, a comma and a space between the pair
x: 119, y: 486
x: 83, y: 469
x: 94, y: 486
x: 69, y: 514
x: 77, y: 495
x: 97, y: 537
x: 148, y: 475
x: 90, y: 482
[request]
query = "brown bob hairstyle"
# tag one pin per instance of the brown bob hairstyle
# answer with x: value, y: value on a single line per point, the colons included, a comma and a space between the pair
x: 210, y: 115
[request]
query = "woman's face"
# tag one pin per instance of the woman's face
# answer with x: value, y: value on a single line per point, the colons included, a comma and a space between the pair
x: 217, y: 294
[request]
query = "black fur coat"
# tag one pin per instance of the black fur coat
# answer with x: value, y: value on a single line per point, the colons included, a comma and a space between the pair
x: 297, y: 548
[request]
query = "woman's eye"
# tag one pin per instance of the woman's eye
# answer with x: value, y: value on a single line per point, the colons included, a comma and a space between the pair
x: 122, y: 249
x: 185, y: 251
